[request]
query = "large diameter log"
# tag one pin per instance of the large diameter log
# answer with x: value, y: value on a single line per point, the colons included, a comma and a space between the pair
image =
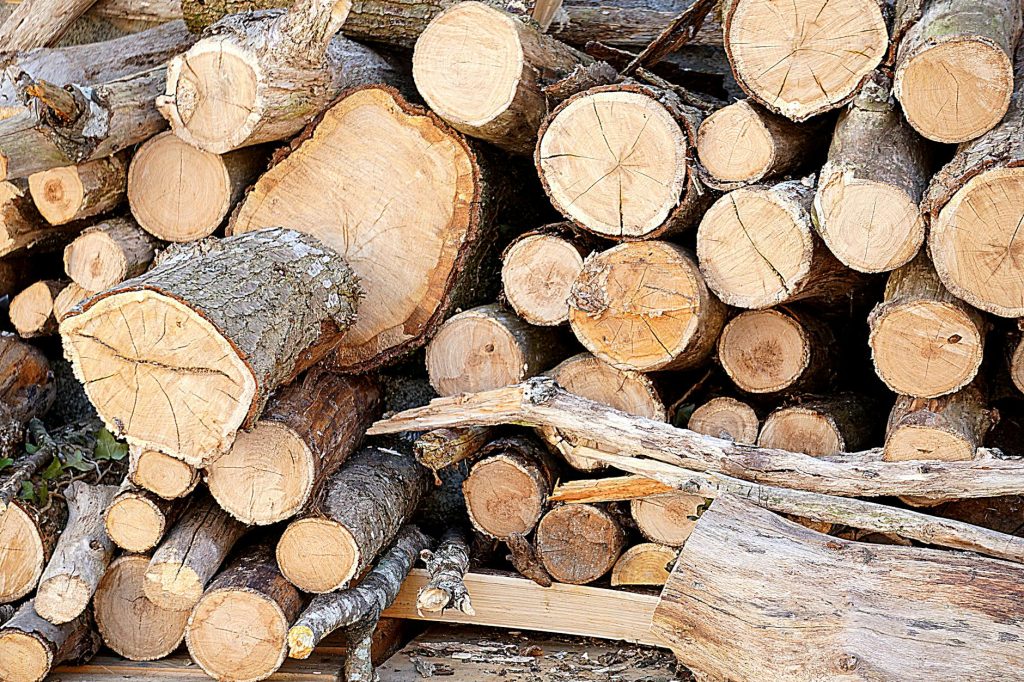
x: 616, y: 160
x: 949, y: 428
x: 307, y: 431
x: 108, y: 253
x: 746, y: 575
x: 40, y: 23
x: 954, y: 67
x: 483, y: 70
x: 63, y: 195
x: 579, y: 543
x: 200, y: 341
x: 167, y: 476
x: 840, y: 423
x: 866, y: 205
x: 537, y: 272
x: 238, y: 631
x: 31, y: 311
x: 728, y: 419
x: 358, y: 512
x: 409, y: 179
x: 805, y: 58
x: 136, y: 520
x: 31, y: 647
x: 925, y: 342
x: 667, y: 519
x: 654, y: 294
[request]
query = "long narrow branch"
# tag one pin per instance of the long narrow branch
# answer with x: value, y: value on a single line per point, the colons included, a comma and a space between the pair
x: 27, y: 466
x: 447, y: 565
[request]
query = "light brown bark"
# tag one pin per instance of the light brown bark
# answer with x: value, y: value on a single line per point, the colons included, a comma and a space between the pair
x: 40, y: 23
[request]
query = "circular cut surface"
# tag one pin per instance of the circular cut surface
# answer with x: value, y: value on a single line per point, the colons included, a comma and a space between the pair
x: 502, y: 498
x: 173, y: 586
x: 615, y: 162
x: 799, y: 430
x: 237, y: 635
x: 95, y: 261
x: 955, y: 90
x: 134, y: 523
x: 31, y: 308
x: 976, y: 246
x: 62, y: 598
x: 763, y: 351
x: 644, y: 564
x: 166, y: 476
x: 588, y: 377
x: 177, y: 192
x: 180, y: 388
x: 803, y: 57
x: 667, y: 519
x: 537, y: 274
x: 915, y: 442
x: 473, y: 353
x: 265, y: 477
x: 925, y: 348
x: 726, y: 418
x: 734, y: 145
x: 578, y: 543
x: 216, y: 94
x: 25, y: 658
x: 60, y: 193
x: 317, y: 555
x: 21, y: 554
x: 869, y: 226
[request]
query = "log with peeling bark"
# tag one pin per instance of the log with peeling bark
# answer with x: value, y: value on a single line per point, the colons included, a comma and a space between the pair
x: 728, y: 419
x: 32, y: 310
x: 949, y: 428
x: 238, y: 631
x: 108, y: 253
x: 442, y: 448
x: 306, y: 433
x: 537, y: 272
x: 251, y: 312
x: 447, y: 565
x: 40, y: 23
x: 866, y: 207
x: 136, y: 520
x: 22, y: 228
x: 81, y: 556
x: 579, y: 543
x: 409, y: 179
x: 190, y: 554
x: 925, y: 342
x: 667, y: 519
x: 31, y: 647
x: 821, y: 426
x: 357, y: 513
x: 482, y: 70
x: 63, y: 195
x: 130, y: 624
x: 645, y: 564
x: 167, y: 476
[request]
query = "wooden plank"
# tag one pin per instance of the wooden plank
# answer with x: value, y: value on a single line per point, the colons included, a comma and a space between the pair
x: 512, y: 602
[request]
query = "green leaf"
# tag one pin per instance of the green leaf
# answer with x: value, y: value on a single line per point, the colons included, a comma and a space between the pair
x: 52, y: 471
x: 31, y: 449
x: 28, y: 493
x: 43, y: 493
x: 76, y: 461
x: 5, y: 462
x: 108, y: 447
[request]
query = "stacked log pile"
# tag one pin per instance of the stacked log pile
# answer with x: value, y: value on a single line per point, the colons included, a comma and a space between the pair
x: 306, y: 291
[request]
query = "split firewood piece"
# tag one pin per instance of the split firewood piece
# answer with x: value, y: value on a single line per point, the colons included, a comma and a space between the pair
x: 775, y: 350
x: 81, y: 556
x: 954, y: 67
x: 645, y: 564
x: 40, y: 23
x: 447, y: 566
x: 109, y: 253
x: 228, y: 321
x: 612, y: 489
x: 409, y: 179
x: 179, y: 193
x: 726, y: 418
x: 667, y: 519
x: 168, y: 477
x: 624, y: 390
x: 488, y: 347
x: 442, y: 448
x: 949, y: 428
x: 359, y: 511
x: 365, y: 602
x: 130, y: 624
x: 537, y: 272
x: 925, y: 342
x: 32, y: 311
x: 21, y: 226
x: 781, y: 260
x: 654, y: 291
x: 190, y: 555
x: 507, y: 488
x: 306, y: 433
x: 483, y: 70
x: 805, y: 58
x: 839, y: 423
x: 137, y: 519
x: 68, y: 298
x: 238, y: 632
x: 78, y: 192
x: 744, y: 143
x: 579, y: 543
x: 261, y: 77
x: 616, y: 160
x: 31, y: 647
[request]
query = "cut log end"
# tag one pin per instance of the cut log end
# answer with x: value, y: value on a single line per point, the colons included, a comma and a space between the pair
x: 922, y: 442
x: 31, y: 311
x: 173, y: 585
x: 503, y: 497
x: 26, y: 657
x: 237, y: 635
x: 764, y: 351
x: 62, y: 598
x: 667, y: 519
x: 645, y: 564
x: 735, y: 145
x: 797, y: 429
x: 579, y: 543
x: 537, y: 274
x: 726, y: 418
x: 69, y: 297
x: 58, y: 193
x: 318, y: 555
x: 135, y: 523
x: 22, y: 554
x: 300, y: 642
x: 90, y: 257
x: 168, y: 477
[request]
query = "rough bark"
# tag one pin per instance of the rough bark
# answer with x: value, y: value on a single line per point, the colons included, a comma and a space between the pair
x: 108, y: 253
x: 821, y: 426
x: 168, y: 477
x: 443, y: 448
x: 537, y: 273
x: 728, y: 419
x: 31, y: 311
x: 579, y: 543
x: 40, y: 23
x: 31, y: 647
x: 447, y: 566
x: 136, y: 520
x: 71, y: 193
x: 523, y: 557
x: 645, y: 564
x: 252, y: 310
x: 949, y: 428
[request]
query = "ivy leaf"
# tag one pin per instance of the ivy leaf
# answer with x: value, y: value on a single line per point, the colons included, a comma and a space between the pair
x: 28, y: 493
x: 5, y: 462
x: 108, y: 447
x: 52, y: 471
x: 31, y: 449
x: 77, y: 462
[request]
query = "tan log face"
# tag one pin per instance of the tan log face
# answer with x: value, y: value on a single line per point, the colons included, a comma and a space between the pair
x: 917, y: 442
x: 237, y: 635
x: 503, y: 499
x: 668, y: 519
x: 317, y: 555
x: 799, y: 430
x: 58, y: 193
x: 21, y: 554
x: 763, y: 351
x: 537, y: 274
x: 474, y: 354
x: 164, y: 475
x: 734, y: 145
x: 726, y: 418
x: 135, y: 524
x: 95, y: 262
x: 216, y: 73
x: 25, y: 658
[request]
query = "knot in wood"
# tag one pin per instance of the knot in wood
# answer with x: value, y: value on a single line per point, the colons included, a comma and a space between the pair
x: 848, y: 662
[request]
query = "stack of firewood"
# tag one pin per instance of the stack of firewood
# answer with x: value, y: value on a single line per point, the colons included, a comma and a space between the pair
x: 731, y: 252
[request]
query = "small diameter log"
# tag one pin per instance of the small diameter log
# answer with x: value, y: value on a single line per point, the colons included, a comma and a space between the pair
x: 803, y: 59
x: 925, y: 342
x: 841, y: 423
x: 190, y: 555
x: 645, y: 564
x: 616, y: 159
x: 483, y: 70
x: 744, y: 143
x: 21, y: 226
x: 32, y: 311
x: 409, y: 179
x: 307, y: 431
x: 179, y: 193
x: 31, y: 647
x: 537, y: 272
x: 78, y: 192
x: 358, y: 512
x: 109, y: 253
x: 137, y: 519
x: 579, y: 543
x: 130, y: 624
x: 167, y: 476
x: 261, y: 77
x: 40, y: 23
x: 68, y: 298
x: 447, y: 566
x: 757, y: 248
x: 949, y: 428
x: 441, y: 448
x: 667, y: 519
x: 866, y: 205
x: 726, y: 418
x: 488, y: 347
x: 238, y: 631
x: 653, y: 293
x: 200, y: 341
x: 507, y: 488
